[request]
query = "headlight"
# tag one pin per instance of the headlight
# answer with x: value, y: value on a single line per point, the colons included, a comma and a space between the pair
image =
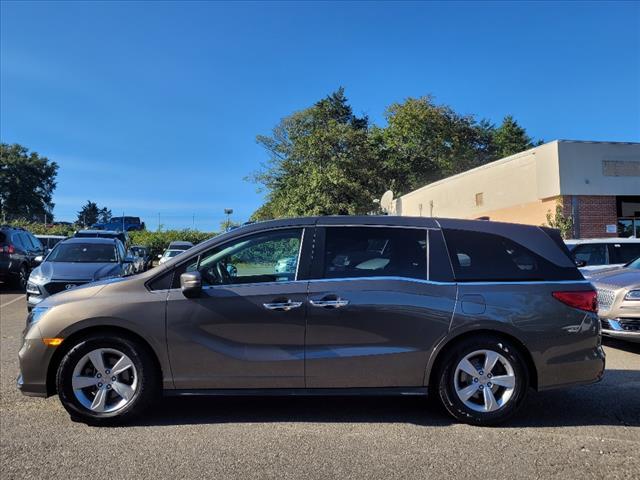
x: 36, y: 314
x: 632, y: 295
x: 32, y: 288
x: 37, y: 278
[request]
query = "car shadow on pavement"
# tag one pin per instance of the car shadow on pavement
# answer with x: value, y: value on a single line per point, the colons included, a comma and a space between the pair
x: 630, y: 347
x: 614, y: 401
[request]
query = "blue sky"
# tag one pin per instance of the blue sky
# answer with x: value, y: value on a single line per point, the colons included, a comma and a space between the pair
x: 154, y: 107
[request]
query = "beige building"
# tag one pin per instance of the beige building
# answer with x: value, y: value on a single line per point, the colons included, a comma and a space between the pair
x: 597, y: 183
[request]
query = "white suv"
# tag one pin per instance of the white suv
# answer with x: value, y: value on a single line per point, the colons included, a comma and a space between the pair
x: 597, y: 254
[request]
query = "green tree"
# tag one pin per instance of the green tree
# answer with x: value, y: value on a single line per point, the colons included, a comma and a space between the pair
x: 88, y: 214
x: 424, y: 142
x: 27, y: 182
x: 510, y: 138
x: 561, y: 221
x: 322, y: 162
x: 104, y: 215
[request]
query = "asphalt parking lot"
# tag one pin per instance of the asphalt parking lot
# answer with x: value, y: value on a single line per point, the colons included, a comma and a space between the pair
x: 583, y: 432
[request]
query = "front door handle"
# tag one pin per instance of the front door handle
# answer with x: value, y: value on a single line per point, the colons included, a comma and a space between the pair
x: 282, y: 306
x: 329, y: 303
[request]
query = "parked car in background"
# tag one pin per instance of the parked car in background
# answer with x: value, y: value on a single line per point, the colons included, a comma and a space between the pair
x: 122, y: 236
x: 286, y: 265
x: 377, y: 305
x: 19, y: 252
x: 49, y: 241
x: 619, y: 301
x: 179, y: 245
x: 168, y: 255
x: 143, y: 254
x: 74, y: 262
x: 121, y: 224
x: 595, y: 254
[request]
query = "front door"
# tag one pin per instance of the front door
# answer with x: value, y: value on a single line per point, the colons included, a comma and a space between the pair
x: 247, y: 328
x: 373, y: 317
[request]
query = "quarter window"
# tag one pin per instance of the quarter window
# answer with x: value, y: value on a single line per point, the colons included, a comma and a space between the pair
x: 373, y: 251
x: 266, y: 257
x: 479, y: 256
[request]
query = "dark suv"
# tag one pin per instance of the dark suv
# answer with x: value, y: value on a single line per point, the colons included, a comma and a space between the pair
x: 474, y: 312
x: 19, y: 252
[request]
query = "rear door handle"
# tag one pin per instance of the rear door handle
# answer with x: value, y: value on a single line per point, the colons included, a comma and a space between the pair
x: 329, y: 303
x: 282, y: 306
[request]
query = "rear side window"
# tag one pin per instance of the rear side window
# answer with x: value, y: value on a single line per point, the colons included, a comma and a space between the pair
x: 591, y: 253
x: 625, y: 252
x: 373, y: 251
x: 479, y: 256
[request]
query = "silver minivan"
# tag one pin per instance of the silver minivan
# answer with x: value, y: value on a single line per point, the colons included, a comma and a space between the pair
x: 476, y: 313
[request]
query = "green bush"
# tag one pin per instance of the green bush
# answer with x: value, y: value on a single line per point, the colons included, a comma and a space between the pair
x: 42, y: 229
x: 157, y: 242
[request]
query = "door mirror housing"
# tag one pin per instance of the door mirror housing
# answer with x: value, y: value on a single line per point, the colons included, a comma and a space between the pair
x: 128, y: 259
x: 191, y: 284
x: 38, y: 259
x: 580, y: 263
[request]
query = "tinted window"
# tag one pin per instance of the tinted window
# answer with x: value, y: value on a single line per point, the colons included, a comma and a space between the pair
x: 37, y: 245
x: 625, y: 252
x: 83, y: 253
x: 373, y: 251
x: 478, y: 256
x: 121, y: 251
x: 264, y: 257
x: 591, y: 253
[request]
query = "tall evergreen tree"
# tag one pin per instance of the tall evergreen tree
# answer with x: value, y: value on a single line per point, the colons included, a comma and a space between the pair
x: 510, y: 138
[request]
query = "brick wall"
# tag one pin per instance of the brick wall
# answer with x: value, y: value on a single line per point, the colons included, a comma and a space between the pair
x: 594, y: 213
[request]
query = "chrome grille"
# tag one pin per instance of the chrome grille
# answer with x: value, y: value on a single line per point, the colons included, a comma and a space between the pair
x: 605, y: 298
x: 56, y: 287
x: 630, y: 324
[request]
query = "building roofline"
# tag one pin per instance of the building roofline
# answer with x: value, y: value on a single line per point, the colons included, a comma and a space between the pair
x: 596, y: 141
x: 500, y: 161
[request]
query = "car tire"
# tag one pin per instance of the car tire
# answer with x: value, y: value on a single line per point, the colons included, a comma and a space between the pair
x: 91, y: 392
x: 22, y: 277
x: 478, y: 397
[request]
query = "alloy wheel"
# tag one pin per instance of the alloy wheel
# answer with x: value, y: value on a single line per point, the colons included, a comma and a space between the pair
x: 104, y: 380
x: 484, y: 381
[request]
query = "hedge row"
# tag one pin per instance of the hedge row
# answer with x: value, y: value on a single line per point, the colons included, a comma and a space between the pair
x: 157, y: 242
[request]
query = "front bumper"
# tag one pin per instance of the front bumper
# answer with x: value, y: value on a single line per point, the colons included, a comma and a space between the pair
x: 33, y: 300
x: 34, y: 358
x: 623, y: 329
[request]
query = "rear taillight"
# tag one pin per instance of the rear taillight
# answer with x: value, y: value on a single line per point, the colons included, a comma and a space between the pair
x: 8, y: 249
x: 586, y: 300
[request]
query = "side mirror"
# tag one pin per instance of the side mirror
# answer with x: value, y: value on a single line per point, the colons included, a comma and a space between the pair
x: 38, y: 259
x: 128, y: 259
x: 159, y: 255
x: 580, y: 263
x: 191, y: 284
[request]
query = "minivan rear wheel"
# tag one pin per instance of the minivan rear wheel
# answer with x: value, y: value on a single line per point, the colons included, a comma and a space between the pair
x: 107, y: 380
x: 482, y: 380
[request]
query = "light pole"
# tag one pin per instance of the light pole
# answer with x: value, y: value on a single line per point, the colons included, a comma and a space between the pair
x: 228, y: 212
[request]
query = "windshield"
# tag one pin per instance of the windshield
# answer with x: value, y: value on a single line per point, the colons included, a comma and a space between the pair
x: 634, y: 264
x: 172, y: 253
x: 83, y: 253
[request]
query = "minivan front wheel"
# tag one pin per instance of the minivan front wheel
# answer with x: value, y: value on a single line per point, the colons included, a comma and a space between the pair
x: 106, y: 380
x: 482, y: 381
